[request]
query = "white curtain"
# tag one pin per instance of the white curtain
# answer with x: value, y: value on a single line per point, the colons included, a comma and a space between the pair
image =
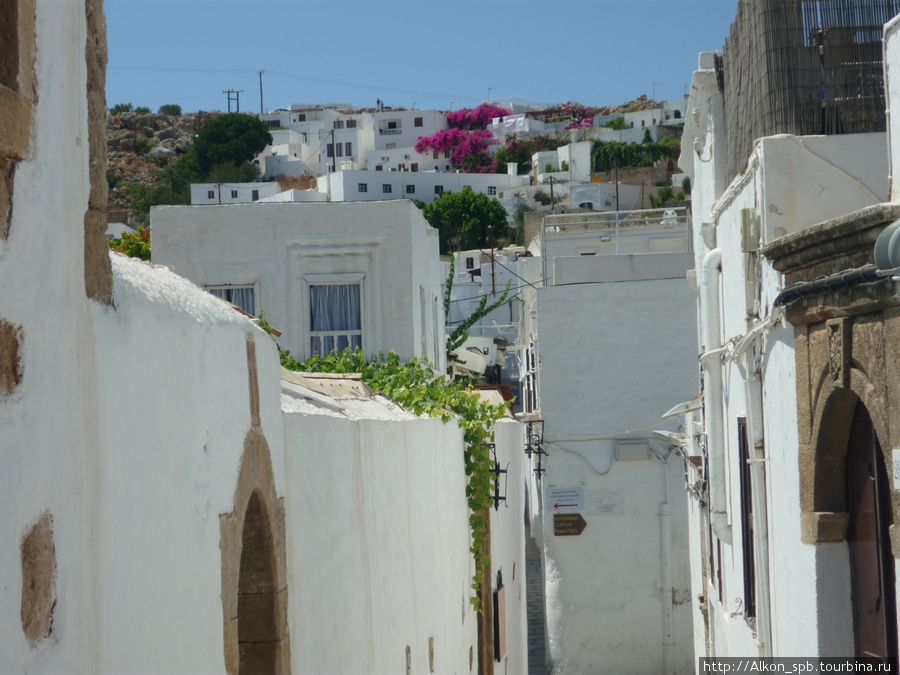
x: 242, y: 297
x: 336, y: 317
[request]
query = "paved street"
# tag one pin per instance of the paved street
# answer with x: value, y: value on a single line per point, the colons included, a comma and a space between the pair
x: 534, y: 587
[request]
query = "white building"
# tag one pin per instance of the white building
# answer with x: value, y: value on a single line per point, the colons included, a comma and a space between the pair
x: 667, y: 113
x: 329, y: 276
x: 603, y: 339
x: 356, y: 186
x: 775, y: 538
x: 232, y: 193
x: 570, y: 163
x: 318, y: 138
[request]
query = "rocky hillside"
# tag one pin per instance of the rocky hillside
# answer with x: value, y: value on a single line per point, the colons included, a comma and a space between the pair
x: 139, y: 146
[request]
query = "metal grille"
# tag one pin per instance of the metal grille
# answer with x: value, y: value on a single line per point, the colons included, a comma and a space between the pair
x: 803, y: 67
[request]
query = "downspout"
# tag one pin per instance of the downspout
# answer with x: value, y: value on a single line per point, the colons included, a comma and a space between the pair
x: 665, y: 533
x: 711, y: 358
x: 665, y: 547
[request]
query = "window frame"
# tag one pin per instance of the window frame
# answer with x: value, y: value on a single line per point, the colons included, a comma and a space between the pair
x: 386, y: 188
x: 362, y: 187
x: 309, y: 280
x: 748, y: 543
x: 254, y: 286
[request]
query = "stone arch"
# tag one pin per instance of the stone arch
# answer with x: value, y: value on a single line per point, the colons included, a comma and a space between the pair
x: 254, y: 579
x: 823, y: 456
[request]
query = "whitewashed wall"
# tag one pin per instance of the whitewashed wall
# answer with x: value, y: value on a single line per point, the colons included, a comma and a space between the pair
x: 174, y: 408
x: 344, y: 185
x: 378, y: 541
x: 790, y: 184
x: 50, y: 422
x: 274, y: 245
x: 615, y: 357
x: 508, y: 542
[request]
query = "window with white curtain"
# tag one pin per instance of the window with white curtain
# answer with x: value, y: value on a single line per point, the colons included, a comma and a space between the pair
x: 242, y: 296
x: 335, y: 317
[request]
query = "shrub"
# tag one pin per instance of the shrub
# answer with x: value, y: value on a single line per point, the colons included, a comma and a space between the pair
x: 120, y: 108
x: 170, y: 109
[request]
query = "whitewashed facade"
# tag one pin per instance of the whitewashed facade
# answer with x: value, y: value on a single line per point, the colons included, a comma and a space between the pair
x: 284, y: 252
x: 612, y: 328
x: 758, y: 589
x: 359, y: 186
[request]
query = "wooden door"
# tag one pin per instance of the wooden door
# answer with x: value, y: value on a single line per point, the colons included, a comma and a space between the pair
x: 871, y: 561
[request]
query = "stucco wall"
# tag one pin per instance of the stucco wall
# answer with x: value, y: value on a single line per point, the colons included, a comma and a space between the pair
x: 275, y: 245
x: 615, y: 357
x: 378, y: 544
x: 174, y: 407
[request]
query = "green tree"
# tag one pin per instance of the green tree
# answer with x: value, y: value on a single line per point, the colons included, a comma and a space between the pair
x: 232, y: 138
x: 616, y: 123
x: 468, y: 218
x: 170, y: 109
x: 121, y: 108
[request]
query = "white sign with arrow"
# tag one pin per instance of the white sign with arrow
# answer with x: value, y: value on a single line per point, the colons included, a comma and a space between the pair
x: 565, y: 499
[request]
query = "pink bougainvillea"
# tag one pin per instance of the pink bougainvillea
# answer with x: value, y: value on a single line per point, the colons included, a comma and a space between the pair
x: 462, y: 146
x: 581, y: 116
x: 478, y: 118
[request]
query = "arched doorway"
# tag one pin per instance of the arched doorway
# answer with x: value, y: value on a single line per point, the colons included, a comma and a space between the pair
x: 868, y: 501
x: 257, y: 631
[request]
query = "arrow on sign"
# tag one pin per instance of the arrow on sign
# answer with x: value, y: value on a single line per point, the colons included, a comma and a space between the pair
x: 562, y: 506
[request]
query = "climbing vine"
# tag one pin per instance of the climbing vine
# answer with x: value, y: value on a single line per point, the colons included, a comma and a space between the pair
x: 414, y: 385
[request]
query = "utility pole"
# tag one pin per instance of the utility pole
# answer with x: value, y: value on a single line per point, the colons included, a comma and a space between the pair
x: 261, y: 109
x: 493, y: 276
x: 236, y: 95
x: 333, y: 153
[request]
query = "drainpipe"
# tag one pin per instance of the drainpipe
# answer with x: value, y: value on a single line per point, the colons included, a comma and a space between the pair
x: 665, y: 534
x: 711, y: 358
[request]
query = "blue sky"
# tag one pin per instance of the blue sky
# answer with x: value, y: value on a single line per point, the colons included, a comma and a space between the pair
x: 422, y: 53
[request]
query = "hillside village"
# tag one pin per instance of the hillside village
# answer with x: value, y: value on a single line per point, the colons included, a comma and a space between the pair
x: 639, y: 415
